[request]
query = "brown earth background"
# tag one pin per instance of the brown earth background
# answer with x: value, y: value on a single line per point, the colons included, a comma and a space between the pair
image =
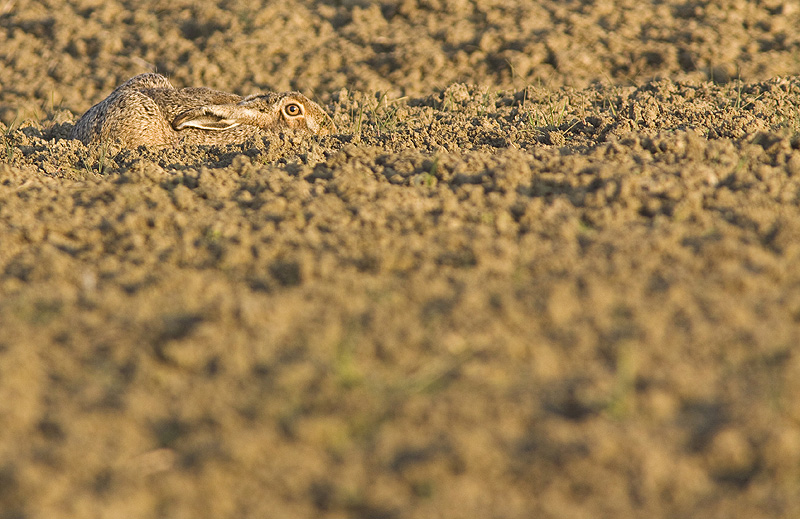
x: 549, y: 267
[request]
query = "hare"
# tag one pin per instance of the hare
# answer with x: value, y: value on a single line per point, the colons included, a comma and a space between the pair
x: 147, y: 110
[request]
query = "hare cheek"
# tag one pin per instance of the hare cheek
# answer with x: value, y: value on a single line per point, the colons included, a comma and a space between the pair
x: 296, y: 124
x: 312, y: 126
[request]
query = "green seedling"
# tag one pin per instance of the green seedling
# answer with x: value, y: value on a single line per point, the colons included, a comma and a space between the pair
x: 432, y: 379
x: 552, y: 115
x: 556, y: 112
x: 101, y: 165
x: 621, y: 403
x: 430, y: 179
x: 9, y: 149
x: 607, y: 101
x: 448, y: 103
x: 484, y: 108
x: 7, y: 139
x: 347, y: 372
x: 385, y: 114
x: 356, y: 121
x: 740, y: 103
x: 53, y: 106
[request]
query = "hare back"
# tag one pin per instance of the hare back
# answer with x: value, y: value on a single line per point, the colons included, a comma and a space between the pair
x: 132, y: 118
x: 173, y: 102
x: 148, y: 80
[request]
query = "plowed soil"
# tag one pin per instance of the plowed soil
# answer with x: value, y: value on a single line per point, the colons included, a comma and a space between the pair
x: 549, y: 266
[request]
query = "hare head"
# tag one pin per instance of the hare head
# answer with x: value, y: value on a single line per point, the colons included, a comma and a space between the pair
x: 271, y: 111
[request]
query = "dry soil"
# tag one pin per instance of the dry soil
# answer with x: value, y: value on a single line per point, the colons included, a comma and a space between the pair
x: 549, y: 266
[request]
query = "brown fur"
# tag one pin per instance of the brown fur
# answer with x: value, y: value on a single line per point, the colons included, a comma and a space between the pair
x: 147, y: 110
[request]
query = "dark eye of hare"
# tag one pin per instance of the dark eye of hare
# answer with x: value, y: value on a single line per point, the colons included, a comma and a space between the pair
x: 293, y: 110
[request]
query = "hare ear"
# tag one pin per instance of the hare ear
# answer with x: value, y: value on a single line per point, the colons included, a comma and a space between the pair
x: 204, y: 118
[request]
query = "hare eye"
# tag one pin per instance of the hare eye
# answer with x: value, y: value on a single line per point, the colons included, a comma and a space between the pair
x: 293, y: 110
